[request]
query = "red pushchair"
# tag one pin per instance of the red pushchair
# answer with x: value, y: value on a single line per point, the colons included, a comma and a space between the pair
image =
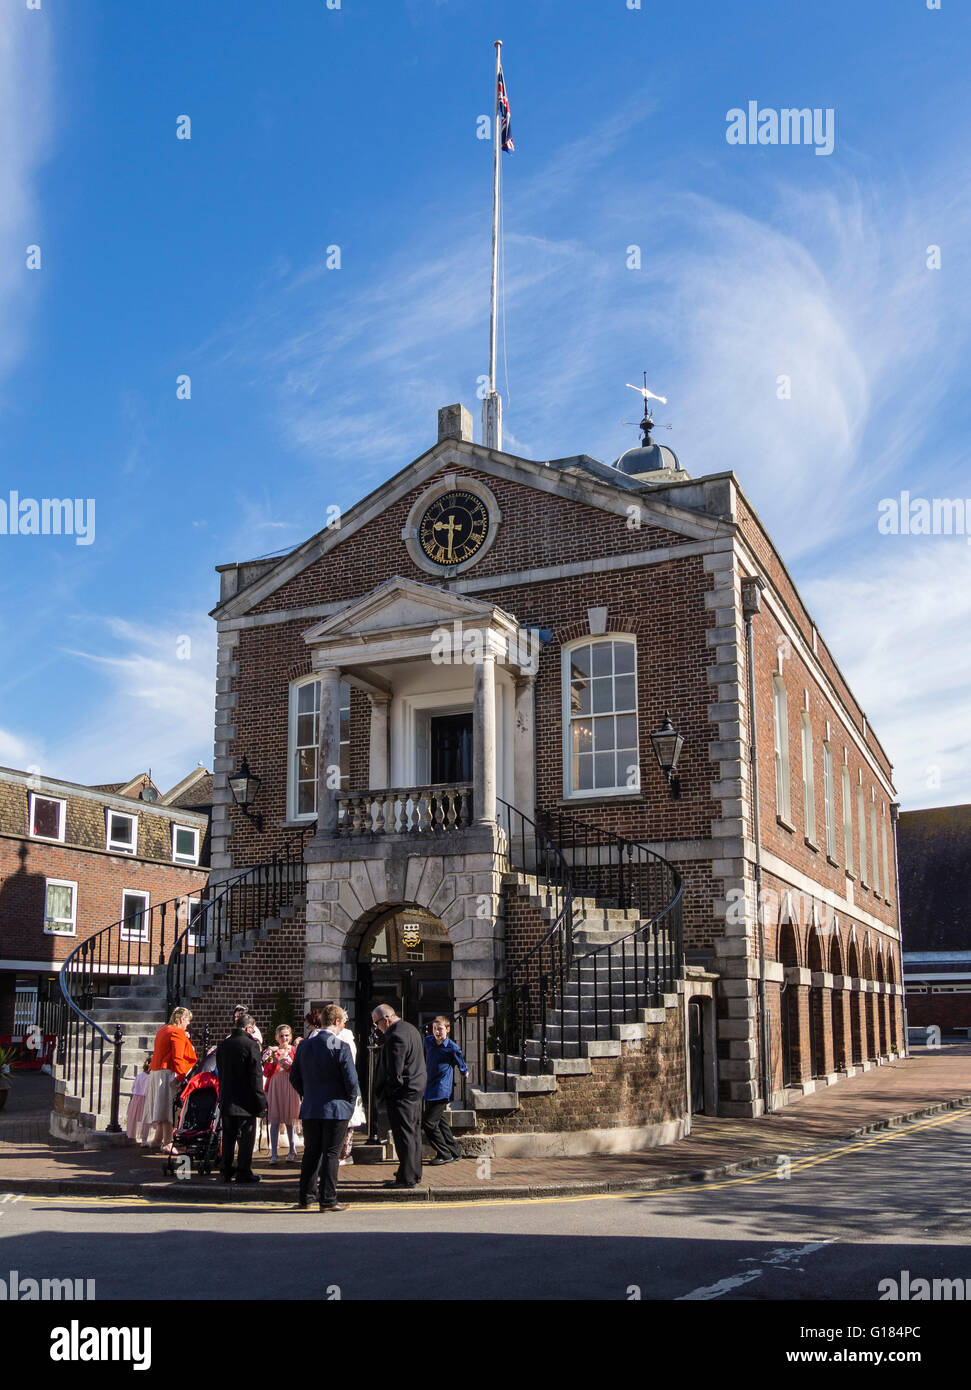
x: 198, y: 1130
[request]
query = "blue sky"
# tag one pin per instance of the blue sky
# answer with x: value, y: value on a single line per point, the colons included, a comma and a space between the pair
x: 313, y: 127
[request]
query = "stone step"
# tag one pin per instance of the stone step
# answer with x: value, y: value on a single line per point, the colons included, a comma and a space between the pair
x: 532, y: 1084
x: 493, y: 1100
x: 122, y: 1006
x: 555, y: 1066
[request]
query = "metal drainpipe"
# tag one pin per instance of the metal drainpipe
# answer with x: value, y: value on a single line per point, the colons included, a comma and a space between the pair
x: 752, y: 604
x: 894, y: 817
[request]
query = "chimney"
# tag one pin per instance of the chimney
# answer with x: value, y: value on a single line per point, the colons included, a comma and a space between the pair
x: 454, y: 422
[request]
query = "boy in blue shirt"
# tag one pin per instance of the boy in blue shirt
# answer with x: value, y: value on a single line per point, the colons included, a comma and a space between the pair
x: 442, y: 1056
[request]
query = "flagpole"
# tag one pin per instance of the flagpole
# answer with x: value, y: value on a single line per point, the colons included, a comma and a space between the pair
x: 491, y: 406
x: 496, y: 156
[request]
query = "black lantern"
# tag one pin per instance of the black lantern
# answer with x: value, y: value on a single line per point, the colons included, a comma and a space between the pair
x: 667, y: 747
x: 245, y: 787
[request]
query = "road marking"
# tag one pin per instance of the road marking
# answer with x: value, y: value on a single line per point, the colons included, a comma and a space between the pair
x: 714, y: 1185
x: 778, y: 1259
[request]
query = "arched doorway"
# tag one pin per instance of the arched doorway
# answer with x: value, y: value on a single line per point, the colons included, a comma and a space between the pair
x: 881, y: 1006
x: 405, y: 959
x: 856, y: 1032
x: 840, y: 1058
x: 869, y: 997
x: 788, y: 1006
x: 817, y: 1003
x: 893, y: 1004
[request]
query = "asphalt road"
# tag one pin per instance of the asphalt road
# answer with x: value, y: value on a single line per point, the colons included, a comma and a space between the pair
x: 834, y: 1228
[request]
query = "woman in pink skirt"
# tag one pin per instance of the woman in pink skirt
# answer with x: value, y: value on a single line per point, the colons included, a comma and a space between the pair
x: 136, y: 1106
x: 283, y: 1103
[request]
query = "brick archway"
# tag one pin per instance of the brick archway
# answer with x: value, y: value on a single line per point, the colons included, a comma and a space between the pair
x: 838, y: 1002
x: 857, y: 1002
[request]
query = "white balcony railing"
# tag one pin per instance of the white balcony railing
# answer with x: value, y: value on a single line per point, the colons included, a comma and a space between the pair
x: 433, y: 810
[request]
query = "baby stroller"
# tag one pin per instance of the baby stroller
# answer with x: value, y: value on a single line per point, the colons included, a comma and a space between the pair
x: 198, y: 1129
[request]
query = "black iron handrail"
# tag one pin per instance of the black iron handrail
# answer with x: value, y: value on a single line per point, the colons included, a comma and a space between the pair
x: 145, y: 942
x: 613, y: 982
x: 233, y: 909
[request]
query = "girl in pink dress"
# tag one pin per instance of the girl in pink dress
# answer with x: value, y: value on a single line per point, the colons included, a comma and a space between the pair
x: 283, y: 1102
x: 136, y: 1106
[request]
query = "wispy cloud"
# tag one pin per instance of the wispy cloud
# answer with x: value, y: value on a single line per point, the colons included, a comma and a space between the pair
x: 153, y: 702
x: 801, y: 340
x: 898, y: 625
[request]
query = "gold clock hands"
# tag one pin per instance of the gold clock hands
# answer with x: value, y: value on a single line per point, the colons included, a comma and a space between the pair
x: 450, y: 528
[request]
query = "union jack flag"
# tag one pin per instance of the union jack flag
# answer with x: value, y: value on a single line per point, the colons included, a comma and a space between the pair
x: 502, y: 116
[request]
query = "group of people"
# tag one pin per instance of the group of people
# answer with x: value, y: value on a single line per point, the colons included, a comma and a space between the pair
x: 312, y: 1080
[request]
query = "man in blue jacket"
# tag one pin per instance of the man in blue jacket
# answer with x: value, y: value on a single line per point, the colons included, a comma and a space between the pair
x: 324, y: 1076
x: 442, y: 1056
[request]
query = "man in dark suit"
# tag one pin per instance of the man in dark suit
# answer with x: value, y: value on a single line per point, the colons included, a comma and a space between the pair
x: 400, y: 1081
x: 324, y: 1077
x: 241, y: 1098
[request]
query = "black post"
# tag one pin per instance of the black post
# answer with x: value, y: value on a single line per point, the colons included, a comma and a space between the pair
x: 372, y: 1135
x: 113, y: 1126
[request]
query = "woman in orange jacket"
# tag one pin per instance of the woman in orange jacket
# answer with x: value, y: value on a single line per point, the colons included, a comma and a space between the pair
x: 173, y: 1058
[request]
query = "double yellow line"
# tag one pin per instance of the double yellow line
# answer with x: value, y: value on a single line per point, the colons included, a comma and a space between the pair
x: 767, y: 1174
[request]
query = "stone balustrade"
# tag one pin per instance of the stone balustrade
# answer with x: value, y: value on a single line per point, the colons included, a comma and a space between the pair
x: 432, y: 810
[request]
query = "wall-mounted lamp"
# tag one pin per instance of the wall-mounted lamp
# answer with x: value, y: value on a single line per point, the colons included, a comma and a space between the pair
x: 245, y: 787
x: 667, y: 748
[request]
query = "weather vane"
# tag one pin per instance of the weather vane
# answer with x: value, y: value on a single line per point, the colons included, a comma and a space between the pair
x: 648, y: 395
x: 647, y: 423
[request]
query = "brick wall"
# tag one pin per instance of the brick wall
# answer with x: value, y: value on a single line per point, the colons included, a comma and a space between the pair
x: 645, y: 1085
x: 102, y: 878
x: 273, y: 964
x: 790, y: 844
x: 946, y: 1010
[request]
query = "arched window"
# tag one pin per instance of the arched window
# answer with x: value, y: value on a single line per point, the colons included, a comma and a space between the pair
x: 780, y: 730
x: 600, y: 747
x: 304, y: 738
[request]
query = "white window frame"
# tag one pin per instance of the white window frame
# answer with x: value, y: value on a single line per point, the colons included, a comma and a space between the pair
x: 192, y: 830
x: 847, y: 819
x: 59, y: 801
x: 114, y: 846
x: 829, y: 800
x: 595, y: 793
x: 886, y: 859
x: 193, y: 938
x: 861, y: 817
x: 808, y: 778
x: 873, y: 847
x: 780, y: 729
x: 142, y: 934
x: 62, y: 883
x: 295, y: 686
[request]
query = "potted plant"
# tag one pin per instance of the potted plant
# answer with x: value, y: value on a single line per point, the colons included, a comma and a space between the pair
x: 8, y: 1055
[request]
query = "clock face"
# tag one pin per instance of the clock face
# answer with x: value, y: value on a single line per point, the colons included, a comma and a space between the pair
x: 453, y: 528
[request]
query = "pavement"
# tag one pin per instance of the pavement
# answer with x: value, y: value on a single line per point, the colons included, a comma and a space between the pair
x: 930, y: 1081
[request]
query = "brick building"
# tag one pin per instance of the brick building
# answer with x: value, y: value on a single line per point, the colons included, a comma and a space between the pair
x: 935, y: 899
x: 74, y: 859
x: 480, y: 672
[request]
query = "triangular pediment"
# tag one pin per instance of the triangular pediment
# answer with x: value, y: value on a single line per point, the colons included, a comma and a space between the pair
x: 402, y: 606
x: 596, y: 490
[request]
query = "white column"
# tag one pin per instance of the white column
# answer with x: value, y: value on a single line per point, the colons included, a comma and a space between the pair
x: 484, y: 738
x: 378, y: 751
x: 328, y: 750
x: 524, y: 746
